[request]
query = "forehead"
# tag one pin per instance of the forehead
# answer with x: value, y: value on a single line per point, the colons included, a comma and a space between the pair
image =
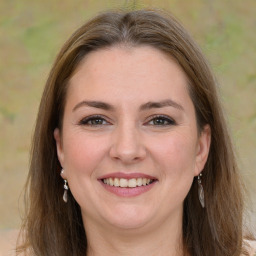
x: 121, y: 71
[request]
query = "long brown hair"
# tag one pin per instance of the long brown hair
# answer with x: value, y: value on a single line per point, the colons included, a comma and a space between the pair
x: 52, y: 227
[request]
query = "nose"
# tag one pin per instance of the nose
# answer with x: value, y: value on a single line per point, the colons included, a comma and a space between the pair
x: 127, y: 145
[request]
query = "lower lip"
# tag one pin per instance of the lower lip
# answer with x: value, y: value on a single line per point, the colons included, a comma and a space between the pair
x: 128, y: 192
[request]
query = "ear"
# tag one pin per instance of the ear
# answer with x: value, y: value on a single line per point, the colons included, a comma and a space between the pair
x: 60, y: 153
x: 203, y: 148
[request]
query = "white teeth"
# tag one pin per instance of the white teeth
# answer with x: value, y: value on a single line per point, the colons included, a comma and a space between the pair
x: 130, y: 183
x: 123, y: 183
x: 116, y: 182
x: 139, y: 182
x: 111, y: 182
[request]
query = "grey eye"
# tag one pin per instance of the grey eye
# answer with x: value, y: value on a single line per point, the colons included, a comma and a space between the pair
x: 93, y: 121
x: 161, y: 121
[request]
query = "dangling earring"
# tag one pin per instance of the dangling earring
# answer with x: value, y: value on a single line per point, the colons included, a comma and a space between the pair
x: 200, y: 190
x: 65, y: 195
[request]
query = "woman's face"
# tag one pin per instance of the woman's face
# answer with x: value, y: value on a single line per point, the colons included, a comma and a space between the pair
x: 129, y: 144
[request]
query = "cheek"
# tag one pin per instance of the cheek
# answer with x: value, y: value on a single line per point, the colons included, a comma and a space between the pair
x: 82, y: 153
x: 178, y: 165
x: 176, y: 156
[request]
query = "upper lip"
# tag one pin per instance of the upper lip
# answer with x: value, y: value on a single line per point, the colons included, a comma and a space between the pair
x: 126, y: 176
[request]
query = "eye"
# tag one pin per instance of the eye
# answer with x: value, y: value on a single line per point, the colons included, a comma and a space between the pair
x: 94, y: 121
x: 161, y: 120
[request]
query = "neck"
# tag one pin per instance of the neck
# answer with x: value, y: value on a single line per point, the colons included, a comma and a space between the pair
x: 162, y: 240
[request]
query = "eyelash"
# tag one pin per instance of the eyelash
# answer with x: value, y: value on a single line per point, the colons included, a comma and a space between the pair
x: 165, y: 121
x: 85, y: 121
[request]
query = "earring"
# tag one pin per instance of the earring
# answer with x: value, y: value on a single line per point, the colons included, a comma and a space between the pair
x: 65, y: 195
x: 200, y: 190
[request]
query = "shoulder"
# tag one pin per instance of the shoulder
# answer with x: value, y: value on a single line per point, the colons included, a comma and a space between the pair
x: 251, y: 246
x: 8, y: 242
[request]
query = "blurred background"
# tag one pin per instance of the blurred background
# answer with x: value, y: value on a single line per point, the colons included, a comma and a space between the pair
x: 32, y: 32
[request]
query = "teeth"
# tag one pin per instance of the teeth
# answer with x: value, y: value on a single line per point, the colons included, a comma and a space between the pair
x: 132, y: 183
x: 139, y: 182
x: 116, y: 182
x: 127, y: 183
x: 123, y: 183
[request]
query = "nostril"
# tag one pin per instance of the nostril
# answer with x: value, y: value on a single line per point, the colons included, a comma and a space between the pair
x: 128, y: 153
x: 127, y: 145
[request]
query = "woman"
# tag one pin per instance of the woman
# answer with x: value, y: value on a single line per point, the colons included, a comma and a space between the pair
x: 131, y: 132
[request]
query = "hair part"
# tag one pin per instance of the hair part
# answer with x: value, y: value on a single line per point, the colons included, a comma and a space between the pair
x: 54, y: 228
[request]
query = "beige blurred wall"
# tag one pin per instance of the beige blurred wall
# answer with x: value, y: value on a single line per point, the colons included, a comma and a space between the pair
x: 31, y: 33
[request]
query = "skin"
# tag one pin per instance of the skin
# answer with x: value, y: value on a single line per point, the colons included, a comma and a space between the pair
x: 127, y: 138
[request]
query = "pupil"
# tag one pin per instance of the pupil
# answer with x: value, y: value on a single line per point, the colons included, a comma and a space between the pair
x: 97, y: 121
x: 159, y: 121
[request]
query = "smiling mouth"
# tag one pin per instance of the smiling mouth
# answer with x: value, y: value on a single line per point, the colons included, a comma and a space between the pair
x: 128, y: 183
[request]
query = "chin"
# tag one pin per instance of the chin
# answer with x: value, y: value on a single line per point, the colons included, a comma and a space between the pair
x: 128, y: 218
x: 128, y: 224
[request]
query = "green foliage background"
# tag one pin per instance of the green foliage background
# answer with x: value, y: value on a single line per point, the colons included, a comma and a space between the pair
x: 32, y: 32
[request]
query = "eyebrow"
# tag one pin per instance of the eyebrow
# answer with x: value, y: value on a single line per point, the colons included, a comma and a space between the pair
x: 94, y: 104
x: 148, y: 105
x: 161, y: 104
